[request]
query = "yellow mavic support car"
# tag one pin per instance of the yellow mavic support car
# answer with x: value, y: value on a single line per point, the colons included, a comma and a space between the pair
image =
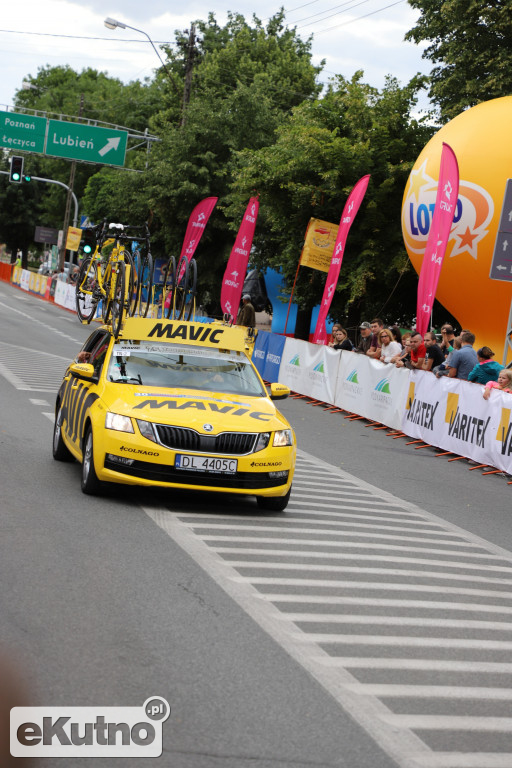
x: 175, y: 404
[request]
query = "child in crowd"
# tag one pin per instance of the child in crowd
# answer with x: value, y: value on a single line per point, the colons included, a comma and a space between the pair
x: 486, y: 369
x: 504, y: 383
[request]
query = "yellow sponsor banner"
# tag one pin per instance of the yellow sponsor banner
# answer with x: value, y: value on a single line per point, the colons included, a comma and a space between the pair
x: 319, y: 245
x: 73, y: 238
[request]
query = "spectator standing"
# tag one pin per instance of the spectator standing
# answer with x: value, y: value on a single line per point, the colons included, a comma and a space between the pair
x: 388, y: 346
x: 405, y: 355
x: 463, y: 360
x: 486, y: 369
x: 448, y: 337
x: 342, y: 340
x: 376, y: 326
x: 247, y: 315
x: 365, y: 340
x: 332, y: 340
x: 434, y: 354
x: 418, y: 351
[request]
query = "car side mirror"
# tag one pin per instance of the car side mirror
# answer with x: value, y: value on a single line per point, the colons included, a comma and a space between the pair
x: 82, y: 370
x: 279, y: 391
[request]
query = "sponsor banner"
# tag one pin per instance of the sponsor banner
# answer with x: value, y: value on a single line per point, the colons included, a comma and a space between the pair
x: 310, y: 369
x: 234, y: 276
x: 454, y: 416
x: 196, y: 224
x: 65, y: 295
x: 347, y: 217
x: 319, y: 245
x: 25, y: 279
x: 260, y: 350
x: 372, y: 389
x: 274, y: 356
x: 442, y: 219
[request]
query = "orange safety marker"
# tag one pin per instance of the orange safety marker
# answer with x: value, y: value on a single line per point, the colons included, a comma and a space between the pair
x: 457, y: 458
x: 415, y: 441
x: 478, y: 466
x: 493, y: 472
x: 419, y: 447
x: 445, y: 453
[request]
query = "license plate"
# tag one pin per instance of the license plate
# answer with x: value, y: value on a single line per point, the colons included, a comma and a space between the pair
x: 205, y: 464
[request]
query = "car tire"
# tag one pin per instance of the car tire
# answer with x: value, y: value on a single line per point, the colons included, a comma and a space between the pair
x: 274, y: 503
x: 90, y: 483
x: 59, y: 448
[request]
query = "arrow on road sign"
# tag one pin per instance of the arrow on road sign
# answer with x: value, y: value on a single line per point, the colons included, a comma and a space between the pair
x: 500, y: 266
x: 111, y: 144
x: 505, y: 245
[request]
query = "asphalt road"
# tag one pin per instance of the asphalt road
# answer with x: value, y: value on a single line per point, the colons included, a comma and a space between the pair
x: 321, y: 637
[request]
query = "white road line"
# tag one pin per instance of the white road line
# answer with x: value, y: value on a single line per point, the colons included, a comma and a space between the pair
x: 462, y: 760
x: 50, y: 416
x: 347, y: 545
x: 402, y: 641
x: 429, y: 665
x: 450, y: 722
x: 391, y: 587
x: 385, y: 602
x: 278, y: 566
x: 366, y: 710
x: 38, y: 402
x: 373, y: 558
x: 12, y: 378
x: 433, y: 692
x: 296, y: 529
x: 39, y: 322
x: 391, y: 621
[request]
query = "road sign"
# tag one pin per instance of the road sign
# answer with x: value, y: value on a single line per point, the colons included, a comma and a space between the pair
x: 88, y: 143
x: 46, y: 235
x: 22, y: 132
x: 501, y: 265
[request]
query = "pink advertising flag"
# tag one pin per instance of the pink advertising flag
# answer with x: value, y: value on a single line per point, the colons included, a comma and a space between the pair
x: 444, y: 210
x: 347, y: 217
x: 196, y: 224
x: 236, y: 269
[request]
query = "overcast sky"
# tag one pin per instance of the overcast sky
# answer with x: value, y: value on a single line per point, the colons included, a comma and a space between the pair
x: 350, y: 35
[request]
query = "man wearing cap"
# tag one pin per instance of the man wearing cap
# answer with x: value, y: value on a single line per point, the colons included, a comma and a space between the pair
x: 366, y: 339
x: 247, y: 315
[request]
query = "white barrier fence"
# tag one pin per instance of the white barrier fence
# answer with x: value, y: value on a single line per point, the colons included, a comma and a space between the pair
x: 448, y: 413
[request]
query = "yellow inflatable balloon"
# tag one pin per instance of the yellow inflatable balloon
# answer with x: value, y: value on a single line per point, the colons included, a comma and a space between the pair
x: 480, y: 138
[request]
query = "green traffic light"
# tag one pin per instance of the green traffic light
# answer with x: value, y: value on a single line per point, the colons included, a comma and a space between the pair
x: 27, y: 178
x: 15, y: 176
x: 87, y: 248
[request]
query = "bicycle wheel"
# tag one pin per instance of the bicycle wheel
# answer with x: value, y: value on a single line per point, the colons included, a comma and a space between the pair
x: 84, y: 291
x: 118, y: 298
x: 169, y: 287
x: 182, y: 278
x: 131, y: 282
x: 191, y: 289
x: 145, y: 284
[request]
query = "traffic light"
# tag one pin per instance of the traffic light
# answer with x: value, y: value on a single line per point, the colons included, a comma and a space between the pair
x: 88, y: 241
x: 27, y: 177
x: 16, y: 172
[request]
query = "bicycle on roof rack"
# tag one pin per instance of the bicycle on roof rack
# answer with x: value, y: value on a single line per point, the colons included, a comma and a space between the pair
x: 113, y: 275
x: 177, y: 292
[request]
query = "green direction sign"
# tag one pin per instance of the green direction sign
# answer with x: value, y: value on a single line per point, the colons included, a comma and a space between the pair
x: 86, y: 142
x: 22, y: 132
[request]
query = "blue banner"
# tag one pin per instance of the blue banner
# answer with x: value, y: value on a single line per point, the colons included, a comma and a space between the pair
x: 259, y: 354
x: 273, y: 357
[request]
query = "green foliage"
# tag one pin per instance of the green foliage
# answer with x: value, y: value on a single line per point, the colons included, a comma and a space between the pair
x: 319, y: 153
x: 470, y: 43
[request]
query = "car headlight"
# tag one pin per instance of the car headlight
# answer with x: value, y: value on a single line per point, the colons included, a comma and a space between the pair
x: 262, y: 442
x: 146, y: 429
x: 282, y: 438
x: 118, y: 422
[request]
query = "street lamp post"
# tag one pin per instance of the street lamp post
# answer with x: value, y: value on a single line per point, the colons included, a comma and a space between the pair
x: 113, y: 24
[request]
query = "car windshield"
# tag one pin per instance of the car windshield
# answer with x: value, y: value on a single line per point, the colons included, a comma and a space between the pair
x: 183, y: 367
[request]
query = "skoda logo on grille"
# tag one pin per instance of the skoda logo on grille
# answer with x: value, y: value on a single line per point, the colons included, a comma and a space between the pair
x: 207, y: 427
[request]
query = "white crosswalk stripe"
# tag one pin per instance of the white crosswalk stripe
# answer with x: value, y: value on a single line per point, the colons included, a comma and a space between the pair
x: 31, y: 370
x: 396, y: 612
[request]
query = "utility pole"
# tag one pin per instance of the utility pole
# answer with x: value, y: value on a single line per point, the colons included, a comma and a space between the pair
x: 69, y: 197
x: 189, y: 66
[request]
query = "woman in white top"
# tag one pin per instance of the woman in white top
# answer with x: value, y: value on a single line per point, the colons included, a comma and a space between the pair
x: 389, y: 348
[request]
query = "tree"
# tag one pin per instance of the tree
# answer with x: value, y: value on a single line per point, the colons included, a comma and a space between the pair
x: 246, y: 80
x: 470, y: 42
x: 320, y: 152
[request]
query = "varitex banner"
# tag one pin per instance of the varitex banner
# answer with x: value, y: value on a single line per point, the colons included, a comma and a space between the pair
x: 452, y: 414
